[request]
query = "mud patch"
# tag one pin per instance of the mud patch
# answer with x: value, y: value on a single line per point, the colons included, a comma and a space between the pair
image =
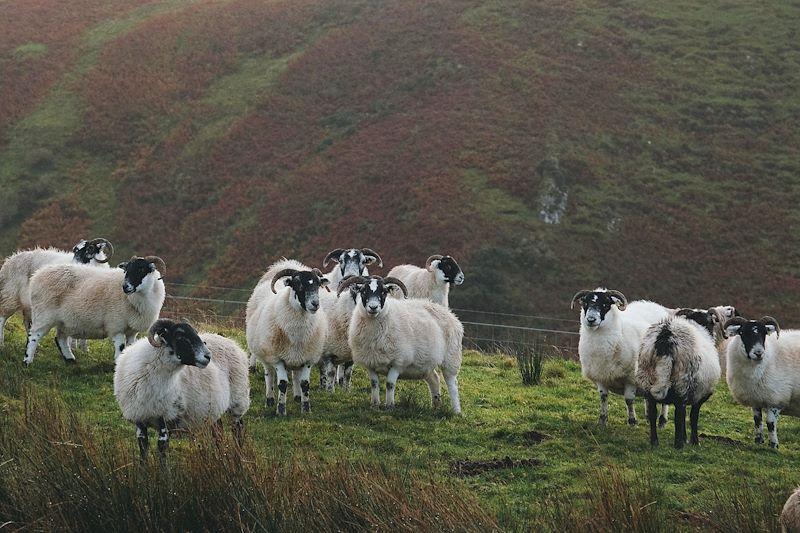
x: 535, y: 437
x: 525, y: 437
x: 473, y: 468
x: 724, y: 440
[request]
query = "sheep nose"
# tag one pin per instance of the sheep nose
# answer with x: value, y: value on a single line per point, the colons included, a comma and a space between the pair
x: 313, y: 305
x: 758, y: 354
x: 373, y: 307
x: 591, y: 320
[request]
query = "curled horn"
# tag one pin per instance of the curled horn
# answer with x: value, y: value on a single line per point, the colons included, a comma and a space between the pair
x: 621, y: 304
x: 714, y: 312
x: 372, y: 253
x: 430, y: 260
x: 350, y: 280
x: 686, y: 311
x: 735, y: 321
x: 106, y: 244
x: 333, y: 255
x: 397, y: 282
x: 769, y: 321
x: 155, y: 331
x: 159, y: 263
x: 578, y: 296
x: 283, y: 273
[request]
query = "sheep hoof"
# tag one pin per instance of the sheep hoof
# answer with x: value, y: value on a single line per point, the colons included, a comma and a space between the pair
x: 773, y: 445
x: 662, y: 421
x: 281, y: 411
x: 270, y: 402
x: 297, y: 399
x: 375, y: 406
x: 654, y: 443
x: 632, y: 422
x: 26, y: 363
x: 603, y: 419
x: 759, y: 439
x: 679, y: 444
x: 306, y: 407
x: 69, y: 361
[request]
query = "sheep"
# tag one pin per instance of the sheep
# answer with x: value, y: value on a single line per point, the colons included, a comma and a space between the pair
x: 93, y: 303
x: 350, y: 262
x: 286, y: 329
x: 790, y: 515
x: 764, y: 375
x: 678, y: 364
x: 336, y: 349
x: 179, y: 377
x: 403, y: 338
x: 609, y: 342
x: 432, y: 282
x: 18, y: 268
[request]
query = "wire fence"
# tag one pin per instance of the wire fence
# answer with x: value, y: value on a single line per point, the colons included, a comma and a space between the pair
x: 486, y: 331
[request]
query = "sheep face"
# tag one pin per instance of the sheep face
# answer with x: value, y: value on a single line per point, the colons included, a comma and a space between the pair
x: 447, y: 270
x: 753, y: 334
x: 596, y: 305
x: 181, y: 342
x: 352, y: 262
x: 305, y: 286
x: 96, y: 249
x: 373, y: 293
x: 140, y: 274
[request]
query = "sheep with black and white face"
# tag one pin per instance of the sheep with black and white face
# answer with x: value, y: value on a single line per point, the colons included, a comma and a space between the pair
x: 432, y: 282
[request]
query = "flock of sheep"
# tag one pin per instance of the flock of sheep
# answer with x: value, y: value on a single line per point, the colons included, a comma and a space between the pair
x: 399, y: 326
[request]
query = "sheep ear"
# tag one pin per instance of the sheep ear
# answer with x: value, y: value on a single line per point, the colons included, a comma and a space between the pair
x: 770, y: 329
x: 730, y: 331
x: 123, y: 265
x: 323, y: 282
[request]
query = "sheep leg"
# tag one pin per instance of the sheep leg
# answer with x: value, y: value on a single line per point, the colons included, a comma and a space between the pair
x: 651, y: 418
x: 62, y: 342
x: 283, y: 383
x: 694, y: 416
x: 119, y: 344
x: 340, y: 375
x: 432, y: 380
x: 2, y: 329
x: 630, y: 395
x: 304, y: 377
x: 680, y: 425
x: 141, y: 438
x: 772, y: 426
x: 348, y: 375
x: 452, y: 390
x: 268, y: 385
x: 251, y: 363
x: 603, y: 390
x: 375, y: 384
x: 759, y: 424
x: 237, y: 427
x: 34, y: 336
x: 327, y: 373
x: 391, y: 382
x: 662, y: 420
x: 296, y: 386
x: 163, y: 441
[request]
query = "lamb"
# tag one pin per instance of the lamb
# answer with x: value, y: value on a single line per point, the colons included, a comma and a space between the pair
x: 351, y: 262
x: 609, y: 342
x: 18, y: 268
x: 403, y: 338
x: 764, y: 375
x: 432, y: 282
x: 93, y: 303
x: 790, y: 515
x: 286, y: 329
x: 678, y: 364
x: 179, y: 377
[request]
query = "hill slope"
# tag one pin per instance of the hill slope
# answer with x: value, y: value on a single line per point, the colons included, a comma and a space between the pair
x: 550, y: 146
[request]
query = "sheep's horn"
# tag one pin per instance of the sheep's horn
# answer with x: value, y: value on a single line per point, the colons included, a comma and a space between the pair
x: 333, y: 255
x: 735, y: 321
x: 372, y: 253
x: 154, y: 334
x: 283, y: 273
x: 623, y: 303
x: 323, y: 281
x: 430, y: 260
x: 578, y: 296
x: 769, y: 321
x: 159, y: 264
x: 397, y: 282
x: 685, y: 311
x: 106, y: 244
x: 346, y: 282
x: 713, y: 311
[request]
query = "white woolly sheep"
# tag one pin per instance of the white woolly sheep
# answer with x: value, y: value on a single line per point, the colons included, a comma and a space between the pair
x: 286, y: 329
x: 94, y: 303
x: 17, y: 270
x: 609, y: 342
x: 405, y: 339
x: 350, y: 262
x: 678, y: 364
x: 432, y: 282
x: 790, y: 515
x: 764, y: 375
x: 179, y: 378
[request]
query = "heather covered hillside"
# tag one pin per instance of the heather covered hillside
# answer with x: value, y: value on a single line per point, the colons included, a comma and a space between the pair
x: 549, y: 145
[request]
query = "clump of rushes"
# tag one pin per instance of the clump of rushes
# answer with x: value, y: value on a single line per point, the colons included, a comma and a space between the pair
x: 529, y: 362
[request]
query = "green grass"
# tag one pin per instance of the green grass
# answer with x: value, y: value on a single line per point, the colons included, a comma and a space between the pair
x: 587, y: 477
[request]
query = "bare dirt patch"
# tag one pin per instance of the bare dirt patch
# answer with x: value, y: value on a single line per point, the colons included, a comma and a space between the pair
x: 464, y: 468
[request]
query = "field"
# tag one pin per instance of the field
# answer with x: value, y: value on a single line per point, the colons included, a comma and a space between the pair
x: 520, y: 458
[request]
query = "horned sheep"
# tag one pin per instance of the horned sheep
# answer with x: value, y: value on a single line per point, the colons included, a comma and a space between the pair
x: 432, y: 282
x: 177, y: 377
x: 93, y: 303
x: 764, y: 373
x: 403, y: 338
x: 678, y: 364
x: 17, y: 270
x: 286, y: 329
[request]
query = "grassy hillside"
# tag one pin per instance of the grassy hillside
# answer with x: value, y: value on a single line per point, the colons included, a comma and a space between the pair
x: 648, y: 147
x: 521, y: 458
